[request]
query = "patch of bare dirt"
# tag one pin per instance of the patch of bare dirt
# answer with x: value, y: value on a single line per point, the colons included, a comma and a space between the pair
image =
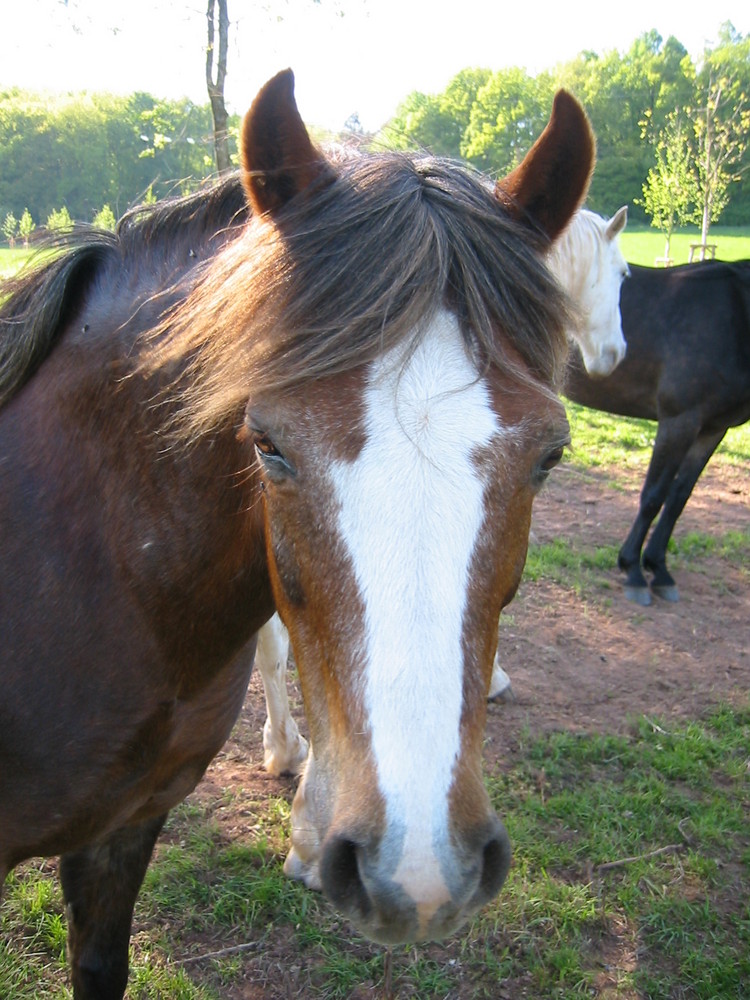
x: 593, y: 663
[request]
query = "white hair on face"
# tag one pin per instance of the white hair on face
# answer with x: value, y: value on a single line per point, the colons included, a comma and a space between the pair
x: 411, y: 533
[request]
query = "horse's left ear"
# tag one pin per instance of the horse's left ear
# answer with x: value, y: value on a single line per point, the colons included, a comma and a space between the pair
x: 617, y: 223
x: 551, y: 182
x: 279, y: 159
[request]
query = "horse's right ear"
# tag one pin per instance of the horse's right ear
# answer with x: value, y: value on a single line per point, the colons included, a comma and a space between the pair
x: 552, y: 181
x: 279, y: 159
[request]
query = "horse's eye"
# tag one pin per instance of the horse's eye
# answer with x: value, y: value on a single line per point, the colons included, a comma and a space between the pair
x: 265, y: 447
x: 275, y: 464
x: 549, y: 462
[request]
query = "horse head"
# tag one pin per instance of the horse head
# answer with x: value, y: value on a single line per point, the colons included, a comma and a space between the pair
x: 397, y: 459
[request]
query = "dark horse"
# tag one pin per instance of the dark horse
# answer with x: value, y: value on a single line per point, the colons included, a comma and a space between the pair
x: 688, y: 367
x: 326, y: 388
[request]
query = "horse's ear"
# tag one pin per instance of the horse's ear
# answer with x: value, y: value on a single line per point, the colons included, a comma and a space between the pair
x: 551, y: 182
x: 617, y: 223
x: 279, y: 159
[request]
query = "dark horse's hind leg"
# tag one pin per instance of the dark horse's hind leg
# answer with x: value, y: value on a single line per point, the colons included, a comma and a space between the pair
x: 100, y: 886
x: 655, y: 554
x: 674, y: 438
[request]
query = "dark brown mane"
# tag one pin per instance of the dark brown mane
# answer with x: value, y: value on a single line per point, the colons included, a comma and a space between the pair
x: 153, y: 244
x: 352, y: 269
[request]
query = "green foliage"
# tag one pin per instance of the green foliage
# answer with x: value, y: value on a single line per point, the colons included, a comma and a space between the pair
x: 105, y: 218
x: 671, y: 188
x: 10, y: 228
x: 88, y: 150
x: 491, y: 118
x: 59, y: 220
x: 26, y: 226
x: 437, y: 123
x: 509, y: 112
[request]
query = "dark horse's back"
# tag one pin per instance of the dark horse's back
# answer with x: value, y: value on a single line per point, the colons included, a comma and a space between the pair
x: 688, y: 334
x: 102, y: 528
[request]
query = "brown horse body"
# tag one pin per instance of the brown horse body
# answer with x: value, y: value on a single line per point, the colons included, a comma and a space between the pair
x: 136, y: 569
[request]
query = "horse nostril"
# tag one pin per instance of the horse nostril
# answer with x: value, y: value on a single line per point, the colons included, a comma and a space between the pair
x: 342, y: 883
x: 495, y: 865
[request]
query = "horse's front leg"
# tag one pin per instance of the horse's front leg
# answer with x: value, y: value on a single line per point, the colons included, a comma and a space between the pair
x: 284, y: 748
x: 100, y: 884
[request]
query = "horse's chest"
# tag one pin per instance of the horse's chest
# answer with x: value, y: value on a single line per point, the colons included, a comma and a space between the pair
x: 183, y: 736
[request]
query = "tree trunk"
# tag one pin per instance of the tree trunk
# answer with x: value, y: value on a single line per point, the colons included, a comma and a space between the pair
x: 215, y: 85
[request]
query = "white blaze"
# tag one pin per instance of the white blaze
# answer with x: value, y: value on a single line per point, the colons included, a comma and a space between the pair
x: 411, y: 509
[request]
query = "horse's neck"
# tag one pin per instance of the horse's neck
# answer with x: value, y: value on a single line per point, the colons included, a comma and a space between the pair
x: 183, y: 525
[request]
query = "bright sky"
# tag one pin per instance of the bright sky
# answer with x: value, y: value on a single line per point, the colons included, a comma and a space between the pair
x: 348, y: 56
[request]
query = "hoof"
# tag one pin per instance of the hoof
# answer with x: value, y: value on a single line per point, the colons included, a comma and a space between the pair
x: 306, y: 872
x: 638, y: 595
x: 504, y: 697
x: 667, y: 592
x: 284, y: 758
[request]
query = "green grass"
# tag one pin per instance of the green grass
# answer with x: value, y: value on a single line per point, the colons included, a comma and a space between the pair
x: 11, y: 260
x: 643, y: 245
x: 588, y: 816
x: 602, y: 440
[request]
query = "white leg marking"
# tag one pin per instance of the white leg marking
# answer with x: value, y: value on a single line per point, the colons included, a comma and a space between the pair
x: 302, y: 863
x: 284, y: 747
x: 411, y: 535
x: 500, y: 682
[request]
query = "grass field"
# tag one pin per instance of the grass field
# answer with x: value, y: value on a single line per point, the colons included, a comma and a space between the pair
x: 11, y: 260
x: 643, y: 245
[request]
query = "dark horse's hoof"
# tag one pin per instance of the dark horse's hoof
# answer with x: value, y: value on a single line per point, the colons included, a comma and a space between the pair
x: 667, y: 592
x: 638, y: 594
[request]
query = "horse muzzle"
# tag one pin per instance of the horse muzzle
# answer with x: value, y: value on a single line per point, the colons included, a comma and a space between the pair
x: 394, y: 899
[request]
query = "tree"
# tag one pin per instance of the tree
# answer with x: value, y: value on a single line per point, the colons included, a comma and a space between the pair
x: 721, y: 124
x: 671, y: 186
x: 509, y: 112
x: 105, y: 218
x: 216, y: 72
x: 10, y: 228
x: 59, y: 220
x: 26, y: 226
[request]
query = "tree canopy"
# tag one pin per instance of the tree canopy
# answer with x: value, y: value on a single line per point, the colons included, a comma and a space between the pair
x: 491, y: 118
x: 82, y: 152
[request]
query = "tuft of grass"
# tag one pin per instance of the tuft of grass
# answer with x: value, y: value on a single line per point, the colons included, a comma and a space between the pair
x: 586, y: 571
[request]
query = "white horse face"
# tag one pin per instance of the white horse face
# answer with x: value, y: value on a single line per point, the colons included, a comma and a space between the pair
x: 590, y: 266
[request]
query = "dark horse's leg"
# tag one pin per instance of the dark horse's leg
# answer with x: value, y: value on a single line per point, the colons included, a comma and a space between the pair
x: 100, y: 885
x: 655, y: 554
x: 674, y: 438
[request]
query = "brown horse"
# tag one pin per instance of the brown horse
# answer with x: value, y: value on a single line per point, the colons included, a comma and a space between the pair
x: 339, y: 403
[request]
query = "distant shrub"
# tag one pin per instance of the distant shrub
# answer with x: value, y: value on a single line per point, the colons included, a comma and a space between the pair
x: 105, y: 218
x: 59, y: 220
